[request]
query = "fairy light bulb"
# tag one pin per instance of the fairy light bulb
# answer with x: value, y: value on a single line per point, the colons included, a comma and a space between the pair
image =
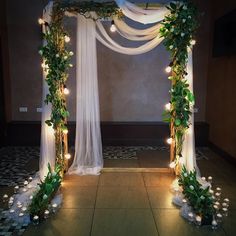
x: 193, y: 42
x: 172, y: 165
x: 113, y: 27
x: 65, y: 131
x: 66, y: 91
x: 67, y: 156
x: 168, y: 106
x: 168, y: 69
x: 67, y: 39
x: 169, y: 140
x: 41, y: 21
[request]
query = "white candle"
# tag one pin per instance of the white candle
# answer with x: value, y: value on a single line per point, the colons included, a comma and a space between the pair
x: 184, y: 201
x: 204, y: 178
x: 19, y: 206
x: 26, y: 183
x: 35, y: 217
x: 30, y: 179
x: 209, y: 179
x: 54, y: 205
x: 224, y: 204
x: 5, y: 196
x: 214, y: 223
x: 226, y: 200
x: 11, y: 198
x: 24, y: 190
x: 218, y: 189
x: 217, y: 203
x: 12, y: 211
x: 198, y: 220
x: 21, y: 214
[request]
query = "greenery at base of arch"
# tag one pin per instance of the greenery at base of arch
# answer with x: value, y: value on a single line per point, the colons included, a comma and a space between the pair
x: 177, y: 30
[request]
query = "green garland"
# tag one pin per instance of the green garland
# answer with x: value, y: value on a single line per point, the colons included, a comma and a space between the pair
x: 178, y: 29
x: 199, y: 198
x: 46, y: 192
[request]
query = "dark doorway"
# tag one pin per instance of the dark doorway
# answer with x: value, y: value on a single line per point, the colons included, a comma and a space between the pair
x: 2, y: 102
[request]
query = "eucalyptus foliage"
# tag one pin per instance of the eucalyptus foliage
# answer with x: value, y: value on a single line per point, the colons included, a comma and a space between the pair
x: 178, y: 30
x: 198, y: 197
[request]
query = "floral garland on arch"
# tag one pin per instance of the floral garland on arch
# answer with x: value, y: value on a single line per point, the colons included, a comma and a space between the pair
x: 178, y: 30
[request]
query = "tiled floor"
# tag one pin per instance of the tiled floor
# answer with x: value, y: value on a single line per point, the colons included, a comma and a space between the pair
x: 133, y: 204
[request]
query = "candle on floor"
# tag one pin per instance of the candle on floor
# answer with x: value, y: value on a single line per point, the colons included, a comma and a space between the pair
x: 30, y: 179
x: 26, y: 183
x: 190, y: 217
x: 225, y: 211
x: 54, y: 207
x: 209, y: 179
x: 5, y: 198
x: 35, y: 220
x: 12, y: 211
x: 198, y: 220
x: 10, y: 203
x: 46, y: 214
x: 219, y: 217
x: 214, y: 224
x: 16, y: 189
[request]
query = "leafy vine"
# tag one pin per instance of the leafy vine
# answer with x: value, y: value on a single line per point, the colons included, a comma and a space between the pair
x: 178, y: 30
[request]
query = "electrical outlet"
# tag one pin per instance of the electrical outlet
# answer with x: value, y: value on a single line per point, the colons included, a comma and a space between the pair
x: 23, y: 109
x: 39, y: 109
x: 195, y: 110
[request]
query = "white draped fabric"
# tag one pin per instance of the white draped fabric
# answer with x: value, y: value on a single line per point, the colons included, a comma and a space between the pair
x: 47, y: 147
x: 88, y: 147
x: 188, y: 152
x: 140, y: 15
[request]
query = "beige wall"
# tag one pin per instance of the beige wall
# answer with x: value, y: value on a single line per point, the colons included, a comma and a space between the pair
x: 131, y: 88
x: 221, y: 90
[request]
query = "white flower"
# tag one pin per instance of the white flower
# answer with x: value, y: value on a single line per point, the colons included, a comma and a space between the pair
x: 182, y: 34
x: 185, y: 174
x: 71, y: 53
x: 54, y: 174
x: 45, y: 196
x: 171, y: 47
x: 184, y: 20
x: 191, y: 187
x: 57, y: 55
x: 202, y: 197
x: 65, y: 57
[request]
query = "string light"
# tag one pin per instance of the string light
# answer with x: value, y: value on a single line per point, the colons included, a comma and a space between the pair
x: 168, y: 69
x: 169, y: 140
x: 67, y: 39
x: 66, y: 91
x: 193, y: 42
x: 65, y: 131
x: 172, y: 165
x: 41, y: 21
x: 67, y: 156
x: 113, y: 27
x: 168, y: 106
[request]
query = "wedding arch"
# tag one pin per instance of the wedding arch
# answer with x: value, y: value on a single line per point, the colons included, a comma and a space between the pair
x: 174, y: 25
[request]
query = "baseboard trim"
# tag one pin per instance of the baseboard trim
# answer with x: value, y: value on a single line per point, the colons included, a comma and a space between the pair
x: 26, y: 133
x: 223, y: 154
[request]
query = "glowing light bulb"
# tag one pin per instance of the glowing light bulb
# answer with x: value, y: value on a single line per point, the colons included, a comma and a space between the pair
x: 66, y: 91
x: 193, y: 42
x: 181, y: 160
x: 65, y: 131
x: 67, y: 156
x: 172, y: 165
x: 113, y: 27
x: 168, y: 69
x: 169, y: 140
x: 67, y: 39
x: 41, y: 21
x: 168, y: 106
